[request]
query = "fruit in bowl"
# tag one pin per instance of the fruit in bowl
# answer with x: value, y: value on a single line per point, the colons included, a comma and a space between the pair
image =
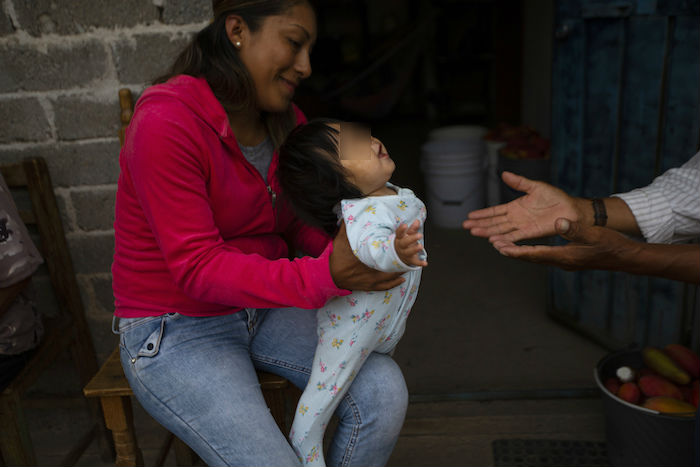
x: 667, y: 383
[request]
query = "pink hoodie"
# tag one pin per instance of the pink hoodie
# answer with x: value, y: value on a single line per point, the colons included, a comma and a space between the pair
x: 197, y: 229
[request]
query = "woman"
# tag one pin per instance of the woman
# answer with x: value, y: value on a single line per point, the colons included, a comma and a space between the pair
x: 201, y: 276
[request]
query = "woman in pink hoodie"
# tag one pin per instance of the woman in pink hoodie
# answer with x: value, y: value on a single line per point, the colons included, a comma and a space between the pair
x: 205, y: 289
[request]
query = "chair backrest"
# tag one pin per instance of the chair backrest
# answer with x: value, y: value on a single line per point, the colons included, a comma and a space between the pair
x: 126, y: 103
x: 32, y: 175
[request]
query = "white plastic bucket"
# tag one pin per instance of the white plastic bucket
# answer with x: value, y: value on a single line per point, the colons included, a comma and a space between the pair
x: 453, y: 164
x: 493, y: 181
x: 458, y: 132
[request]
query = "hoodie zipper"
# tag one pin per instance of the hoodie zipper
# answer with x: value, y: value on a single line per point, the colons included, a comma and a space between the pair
x: 270, y: 191
x: 273, y: 196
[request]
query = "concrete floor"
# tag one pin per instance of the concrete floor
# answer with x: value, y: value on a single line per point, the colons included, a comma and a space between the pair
x: 434, y: 434
x: 479, y: 330
x: 481, y: 358
x: 479, y: 322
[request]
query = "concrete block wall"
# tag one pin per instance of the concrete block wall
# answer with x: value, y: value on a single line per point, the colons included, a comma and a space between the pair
x: 61, y: 66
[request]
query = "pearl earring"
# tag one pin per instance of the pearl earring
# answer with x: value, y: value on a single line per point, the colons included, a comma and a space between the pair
x: 238, y: 44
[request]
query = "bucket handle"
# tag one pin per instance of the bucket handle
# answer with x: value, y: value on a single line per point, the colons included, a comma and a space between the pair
x: 451, y: 202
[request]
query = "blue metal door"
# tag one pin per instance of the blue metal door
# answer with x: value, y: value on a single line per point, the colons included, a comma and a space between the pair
x: 625, y: 108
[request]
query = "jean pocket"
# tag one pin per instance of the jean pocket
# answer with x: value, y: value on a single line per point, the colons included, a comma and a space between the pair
x: 151, y: 345
x: 122, y: 325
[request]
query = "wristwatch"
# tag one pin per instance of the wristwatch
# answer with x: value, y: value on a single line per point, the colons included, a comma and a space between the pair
x: 600, y: 215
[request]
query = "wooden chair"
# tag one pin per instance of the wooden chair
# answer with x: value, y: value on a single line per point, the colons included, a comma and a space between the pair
x: 112, y: 389
x: 68, y: 330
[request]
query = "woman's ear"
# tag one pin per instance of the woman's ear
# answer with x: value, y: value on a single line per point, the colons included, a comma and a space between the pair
x: 235, y: 30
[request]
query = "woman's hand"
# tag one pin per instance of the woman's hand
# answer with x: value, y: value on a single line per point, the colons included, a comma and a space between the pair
x: 530, y: 216
x: 350, y: 273
x: 406, y: 244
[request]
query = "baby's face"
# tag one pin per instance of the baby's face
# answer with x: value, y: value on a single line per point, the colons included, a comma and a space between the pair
x: 364, y: 157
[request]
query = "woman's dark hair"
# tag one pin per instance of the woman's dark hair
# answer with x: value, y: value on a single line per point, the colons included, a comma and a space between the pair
x: 212, y: 55
x: 312, y: 178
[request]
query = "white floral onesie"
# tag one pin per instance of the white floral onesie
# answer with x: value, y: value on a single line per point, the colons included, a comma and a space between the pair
x: 351, y: 327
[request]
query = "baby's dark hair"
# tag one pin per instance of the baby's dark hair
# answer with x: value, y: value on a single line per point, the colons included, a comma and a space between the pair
x: 312, y: 178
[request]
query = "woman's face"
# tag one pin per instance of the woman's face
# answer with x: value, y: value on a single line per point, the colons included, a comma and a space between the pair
x: 364, y: 157
x: 277, y: 55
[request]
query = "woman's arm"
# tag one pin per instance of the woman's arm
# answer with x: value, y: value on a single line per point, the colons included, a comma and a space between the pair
x: 375, y: 238
x: 169, y: 175
x: 347, y: 271
x: 310, y: 240
x: 350, y: 273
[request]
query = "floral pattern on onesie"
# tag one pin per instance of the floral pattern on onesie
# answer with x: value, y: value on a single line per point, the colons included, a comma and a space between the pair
x: 351, y: 327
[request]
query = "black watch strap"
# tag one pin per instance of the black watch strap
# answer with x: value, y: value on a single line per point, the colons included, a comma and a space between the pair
x: 600, y: 215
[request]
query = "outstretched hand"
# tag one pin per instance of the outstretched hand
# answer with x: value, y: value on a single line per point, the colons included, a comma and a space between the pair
x: 349, y: 273
x: 530, y: 216
x: 589, y: 248
x: 407, y: 246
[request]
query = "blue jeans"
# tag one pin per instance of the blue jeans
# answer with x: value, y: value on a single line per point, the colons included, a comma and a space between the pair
x: 196, y: 376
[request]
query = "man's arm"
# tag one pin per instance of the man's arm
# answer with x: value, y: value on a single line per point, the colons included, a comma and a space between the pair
x: 533, y: 214
x: 620, y: 216
x: 668, y: 209
x: 607, y: 249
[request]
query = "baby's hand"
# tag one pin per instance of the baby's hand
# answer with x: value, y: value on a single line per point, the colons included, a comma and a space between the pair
x: 407, y: 246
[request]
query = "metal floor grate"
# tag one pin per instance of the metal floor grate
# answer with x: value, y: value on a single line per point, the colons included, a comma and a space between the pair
x: 548, y: 452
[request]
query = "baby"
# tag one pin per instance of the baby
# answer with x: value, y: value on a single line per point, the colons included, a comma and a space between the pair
x: 333, y: 172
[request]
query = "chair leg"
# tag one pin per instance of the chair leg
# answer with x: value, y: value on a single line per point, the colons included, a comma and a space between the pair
x: 275, y: 401
x: 83, y: 354
x: 86, y: 371
x: 105, y: 440
x: 15, y: 441
x: 184, y: 455
x: 119, y: 418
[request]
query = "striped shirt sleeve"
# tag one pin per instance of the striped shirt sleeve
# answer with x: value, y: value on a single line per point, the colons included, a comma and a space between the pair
x: 668, y: 210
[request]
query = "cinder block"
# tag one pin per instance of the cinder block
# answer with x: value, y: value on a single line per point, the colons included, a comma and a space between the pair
x: 8, y: 156
x: 39, y: 17
x: 83, y: 117
x: 63, y: 210
x: 99, y: 320
x: 23, y: 201
x: 60, y: 66
x: 100, y: 324
x: 95, y: 208
x: 147, y: 56
x: 104, y: 297
x: 92, y: 253
x: 74, y: 164
x: 5, y: 24
x: 85, y: 164
x: 186, y: 11
x: 23, y: 119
